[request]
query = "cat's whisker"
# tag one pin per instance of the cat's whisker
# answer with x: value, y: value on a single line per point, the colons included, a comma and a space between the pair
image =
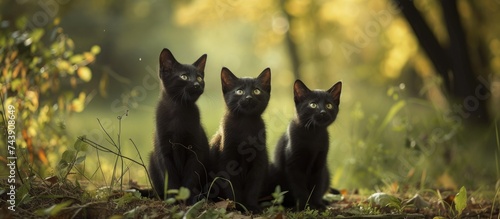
x: 183, y: 97
x: 308, y: 123
x: 177, y: 97
x: 235, y: 109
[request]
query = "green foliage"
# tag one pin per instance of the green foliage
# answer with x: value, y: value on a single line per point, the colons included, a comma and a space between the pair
x: 276, y: 207
x: 181, y: 195
x: 397, y: 145
x: 23, y: 194
x: 70, y: 158
x: 127, y: 198
x: 40, y: 77
x: 461, y: 200
x: 53, y: 210
x: 194, y: 210
x: 309, y: 213
x: 216, y: 213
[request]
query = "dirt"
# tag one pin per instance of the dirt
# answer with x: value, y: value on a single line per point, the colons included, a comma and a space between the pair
x: 67, y: 200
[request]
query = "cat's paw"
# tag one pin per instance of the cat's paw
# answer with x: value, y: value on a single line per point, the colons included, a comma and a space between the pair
x: 318, y: 206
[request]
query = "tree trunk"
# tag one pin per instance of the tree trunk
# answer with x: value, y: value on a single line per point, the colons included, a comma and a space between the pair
x: 292, y: 47
x: 452, y: 62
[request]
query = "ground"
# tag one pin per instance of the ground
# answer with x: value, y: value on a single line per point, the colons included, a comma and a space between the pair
x: 56, y: 199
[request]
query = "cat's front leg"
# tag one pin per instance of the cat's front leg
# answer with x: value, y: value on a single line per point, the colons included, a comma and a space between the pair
x: 322, y: 178
x: 253, y: 188
x: 191, y: 178
x: 297, y: 181
x: 160, y: 167
x: 157, y: 175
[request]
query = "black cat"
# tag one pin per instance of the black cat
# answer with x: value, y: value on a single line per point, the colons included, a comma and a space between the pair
x: 300, y: 163
x: 238, y: 151
x: 180, y: 144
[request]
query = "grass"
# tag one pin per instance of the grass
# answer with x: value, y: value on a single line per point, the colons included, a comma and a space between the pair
x: 69, y: 200
x: 98, y: 180
x: 74, y: 193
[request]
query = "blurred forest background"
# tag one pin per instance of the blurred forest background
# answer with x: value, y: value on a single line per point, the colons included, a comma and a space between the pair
x: 419, y: 106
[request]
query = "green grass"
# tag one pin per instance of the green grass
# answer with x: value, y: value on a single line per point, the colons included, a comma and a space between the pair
x: 387, y: 149
x: 79, y: 192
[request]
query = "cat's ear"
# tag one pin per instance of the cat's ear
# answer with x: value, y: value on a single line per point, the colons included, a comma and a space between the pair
x: 167, y: 60
x: 299, y: 91
x: 200, y: 64
x: 335, y: 92
x: 265, y: 79
x: 228, y: 79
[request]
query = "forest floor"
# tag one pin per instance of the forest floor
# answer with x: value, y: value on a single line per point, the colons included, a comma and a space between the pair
x: 53, y: 199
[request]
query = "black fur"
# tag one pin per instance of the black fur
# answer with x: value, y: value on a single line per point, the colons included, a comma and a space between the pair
x: 180, y: 143
x: 300, y: 165
x: 238, y: 151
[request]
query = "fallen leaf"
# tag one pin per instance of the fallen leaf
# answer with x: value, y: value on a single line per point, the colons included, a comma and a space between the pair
x: 449, y: 199
x: 418, y: 202
x: 52, y: 179
x: 394, y: 187
x: 225, y: 204
x: 343, y: 192
x: 447, y: 181
x: 381, y: 199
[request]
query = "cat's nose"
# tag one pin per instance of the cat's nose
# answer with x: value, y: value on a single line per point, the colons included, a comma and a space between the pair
x: 322, y: 112
x: 196, y: 85
x: 248, y: 97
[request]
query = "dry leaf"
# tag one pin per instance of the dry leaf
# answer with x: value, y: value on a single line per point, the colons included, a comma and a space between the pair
x: 43, y: 157
x: 447, y: 181
x: 224, y: 204
x: 52, y: 179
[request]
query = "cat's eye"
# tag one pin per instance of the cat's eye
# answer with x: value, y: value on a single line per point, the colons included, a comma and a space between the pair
x: 183, y: 77
x: 239, y: 92
x: 256, y: 91
x: 199, y: 79
x: 313, y: 105
x: 329, y: 106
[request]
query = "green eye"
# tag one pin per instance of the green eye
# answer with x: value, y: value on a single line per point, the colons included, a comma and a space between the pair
x: 329, y: 106
x: 313, y: 105
x: 239, y: 92
x: 256, y: 91
x: 199, y: 79
x: 183, y: 77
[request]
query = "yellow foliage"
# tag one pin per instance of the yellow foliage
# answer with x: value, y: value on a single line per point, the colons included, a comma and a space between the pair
x: 31, y: 100
x: 84, y: 73
x: 78, y: 104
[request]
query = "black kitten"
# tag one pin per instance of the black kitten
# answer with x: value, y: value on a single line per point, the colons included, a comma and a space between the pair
x: 238, y: 150
x: 180, y: 144
x: 301, y: 154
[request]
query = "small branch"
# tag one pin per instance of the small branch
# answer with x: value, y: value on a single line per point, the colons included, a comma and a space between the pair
x: 102, y: 148
x: 143, y: 165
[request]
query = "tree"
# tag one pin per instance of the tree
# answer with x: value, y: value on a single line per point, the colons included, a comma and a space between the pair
x: 452, y: 60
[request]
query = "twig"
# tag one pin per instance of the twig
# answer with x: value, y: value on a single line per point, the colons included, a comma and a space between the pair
x: 101, y: 148
x: 143, y: 165
x: 196, y: 155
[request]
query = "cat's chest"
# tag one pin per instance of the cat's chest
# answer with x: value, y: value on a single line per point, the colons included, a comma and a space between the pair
x: 173, y: 117
x: 243, y: 128
x: 302, y: 139
x: 308, y: 147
